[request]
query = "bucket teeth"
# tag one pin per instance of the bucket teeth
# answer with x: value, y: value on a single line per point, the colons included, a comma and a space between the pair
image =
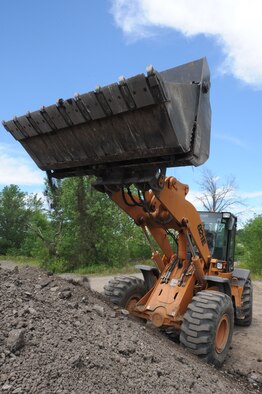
x: 92, y: 105
x: 14, y: 129
x: 114, y: 98
x: 140, y: 91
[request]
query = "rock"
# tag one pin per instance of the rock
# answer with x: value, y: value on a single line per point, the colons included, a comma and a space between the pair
x: 3, y: 377
x: 85, y: 282
x: 123, y: 361
x: 17, y: 390
x: 65, y: 294
x: 54, y: 288
x: 45, y: 283
x: 73, y: 281
x: 16, y: 270
x: 76, y: 361
x: 23, y: 311
x: 28, y: 294
x: 6, y: 387
x: 99, y: 310
x: 31, y: 327
x: 252, y: 378
x: 49, y: 273
x: 21, y: 323
x: 125, y: 312
x: 15, y: 339
x: 84, y: 300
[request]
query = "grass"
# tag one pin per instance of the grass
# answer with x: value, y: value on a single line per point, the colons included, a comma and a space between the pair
x: 21, y: 260
x: 254, y: 275
x: 104, y: 269
x: 97, y: 269
x: 91, y: 269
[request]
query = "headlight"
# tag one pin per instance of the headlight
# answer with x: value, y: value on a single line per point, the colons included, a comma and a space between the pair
x: 219, y: 266
x: 226, y: 215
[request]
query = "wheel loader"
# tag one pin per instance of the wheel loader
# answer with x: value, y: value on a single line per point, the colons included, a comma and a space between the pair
x: 126, y: 135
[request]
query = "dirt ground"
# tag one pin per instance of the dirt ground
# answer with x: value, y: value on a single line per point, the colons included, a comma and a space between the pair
x: 245, y: 357
x: 59, y: 337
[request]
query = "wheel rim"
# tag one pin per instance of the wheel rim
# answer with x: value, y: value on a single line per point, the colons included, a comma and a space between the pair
x: 222, y: 333
x: 131, y: 303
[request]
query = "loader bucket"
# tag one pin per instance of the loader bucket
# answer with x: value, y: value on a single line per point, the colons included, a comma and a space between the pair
x: 154, y: 121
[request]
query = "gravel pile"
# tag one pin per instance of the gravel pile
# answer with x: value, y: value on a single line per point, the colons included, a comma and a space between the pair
x: 57, y: 336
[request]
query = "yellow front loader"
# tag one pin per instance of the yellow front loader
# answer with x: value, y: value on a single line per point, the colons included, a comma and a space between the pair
x: 127, y: 134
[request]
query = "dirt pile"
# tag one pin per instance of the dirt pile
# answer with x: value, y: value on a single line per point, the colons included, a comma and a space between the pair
x: 60, y: 337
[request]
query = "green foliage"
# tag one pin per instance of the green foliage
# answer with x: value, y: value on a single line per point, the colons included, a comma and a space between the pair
x: 82, y: 228
x: 57, y: 265
x: 84, y: 231
x: 95, y: 229
x: 249, y: 245
x: 20, y: 260
x: 16, y: 211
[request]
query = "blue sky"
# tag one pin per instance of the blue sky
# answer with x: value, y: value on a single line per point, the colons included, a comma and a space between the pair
x: 53, y: 49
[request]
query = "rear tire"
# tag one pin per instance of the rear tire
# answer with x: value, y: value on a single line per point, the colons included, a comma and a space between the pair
x: 247, y: 300
x: 125, y: 291
x: 207, y: 326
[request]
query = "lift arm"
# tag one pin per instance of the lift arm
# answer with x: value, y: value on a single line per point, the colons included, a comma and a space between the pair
x: 164, y: 209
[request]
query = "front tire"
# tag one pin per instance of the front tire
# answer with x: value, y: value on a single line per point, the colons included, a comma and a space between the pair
x: 207, y: 326
x: 125, y: 291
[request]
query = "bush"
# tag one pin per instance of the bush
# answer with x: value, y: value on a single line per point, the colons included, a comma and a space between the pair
x: 251, y: 251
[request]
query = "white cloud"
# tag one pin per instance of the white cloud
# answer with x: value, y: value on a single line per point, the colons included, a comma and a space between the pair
x: 193, y: 197
x: 17, y: 169
x: 235, y: 24
x: 252, y: 194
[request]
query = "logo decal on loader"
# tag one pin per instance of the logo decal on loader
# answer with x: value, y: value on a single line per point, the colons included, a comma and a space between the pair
x: 201, y: 233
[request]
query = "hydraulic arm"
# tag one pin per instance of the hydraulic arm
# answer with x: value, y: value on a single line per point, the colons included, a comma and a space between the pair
x: 181, y: 272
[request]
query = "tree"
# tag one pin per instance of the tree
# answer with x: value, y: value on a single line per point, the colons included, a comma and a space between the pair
x: 95, y: 230
x: 93, y: 226
x: 16, y: 210
x: 250, y: 238
x: 32, y: 245
x: 216, y: 196
x: 80, y: 227
x: 51, y: 235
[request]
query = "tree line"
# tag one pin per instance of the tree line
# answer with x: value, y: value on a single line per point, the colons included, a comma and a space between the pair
x: 79, y: 226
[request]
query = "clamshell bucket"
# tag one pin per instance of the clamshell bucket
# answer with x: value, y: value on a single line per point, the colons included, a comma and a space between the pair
x: 155, y: 121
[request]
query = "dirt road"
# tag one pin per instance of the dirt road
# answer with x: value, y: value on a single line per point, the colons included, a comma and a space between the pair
x: 245, y: 356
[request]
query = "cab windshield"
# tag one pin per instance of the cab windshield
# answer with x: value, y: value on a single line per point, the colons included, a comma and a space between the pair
x: 216, y: 234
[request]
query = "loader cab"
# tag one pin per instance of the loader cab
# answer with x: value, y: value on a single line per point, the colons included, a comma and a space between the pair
x: 220, y: 228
